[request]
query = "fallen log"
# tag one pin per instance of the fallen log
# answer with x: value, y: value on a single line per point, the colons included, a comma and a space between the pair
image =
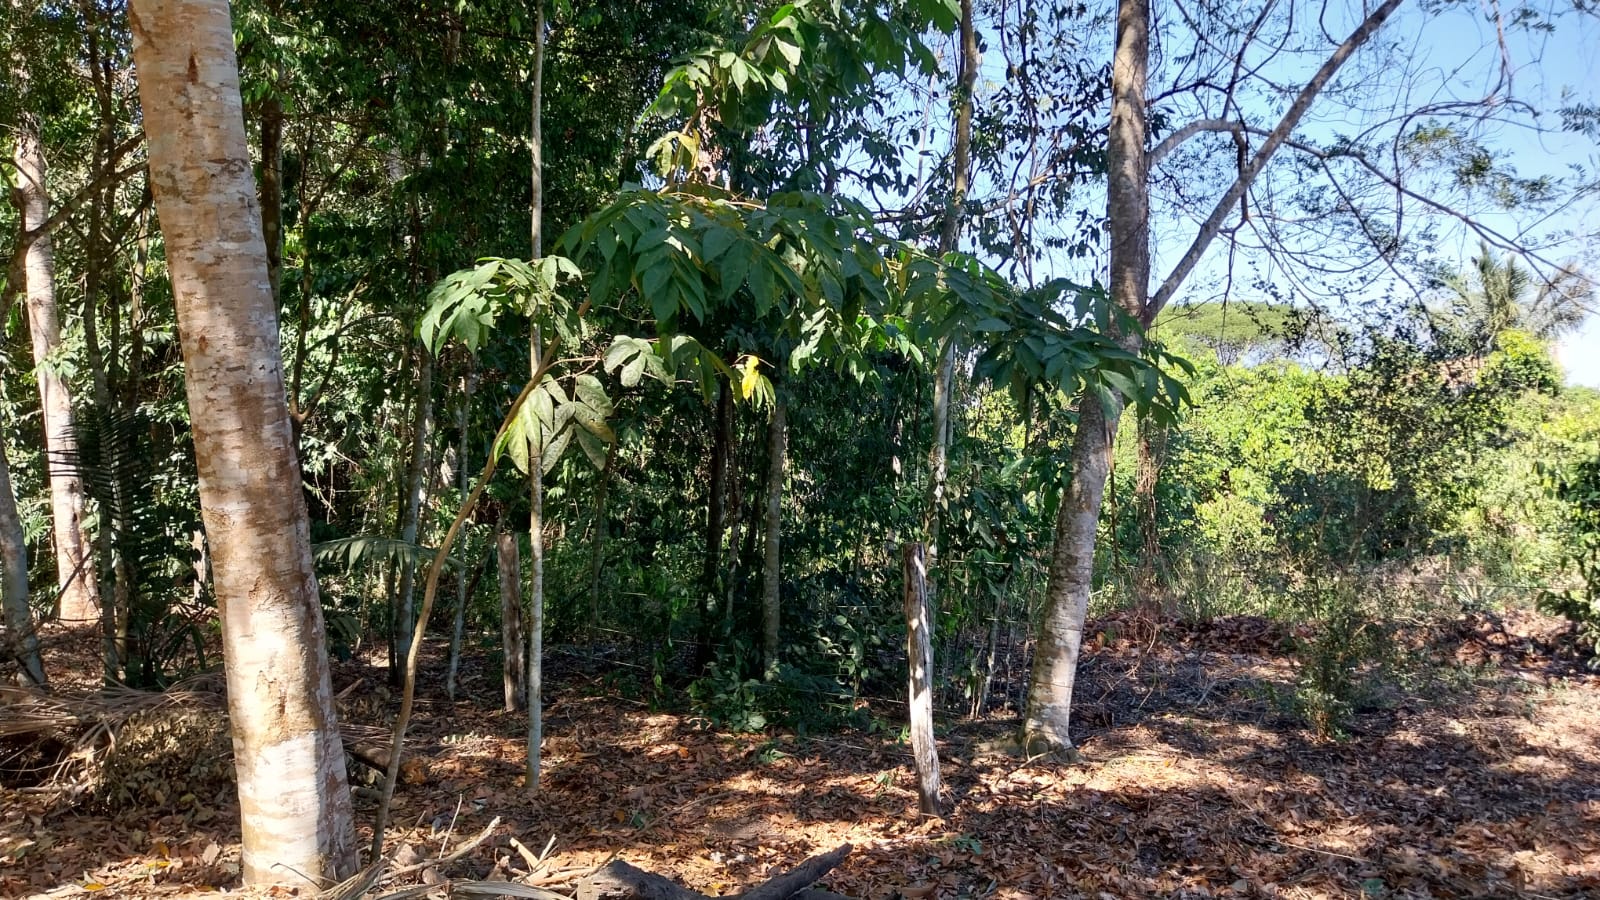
x: 621, y: 881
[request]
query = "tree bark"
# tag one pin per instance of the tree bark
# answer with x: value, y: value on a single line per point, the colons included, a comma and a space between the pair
x: 716, y: 522
x: 416, y: 483
x: 272, y: 192
x: 75, y: 571
x: 469, y: 383
x: 22, y: 640
x: 536, y: 363
x: 1066, y: 604
x: 511, y: 619
x: 772, y: 564
x: 919, y: 679
x: 949, y: 238
x: 293, y: 791
x: 597, y: 540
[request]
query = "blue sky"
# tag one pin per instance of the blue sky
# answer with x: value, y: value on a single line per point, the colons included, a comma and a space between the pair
x: 1420, y: 56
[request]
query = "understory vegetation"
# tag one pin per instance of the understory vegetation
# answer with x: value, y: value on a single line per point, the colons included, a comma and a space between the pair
x: 659, y: 379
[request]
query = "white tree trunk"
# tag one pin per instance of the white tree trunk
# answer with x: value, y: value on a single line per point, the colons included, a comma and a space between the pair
x: 293, y: 794
x: 1128, y: 209
x: 75, y: 572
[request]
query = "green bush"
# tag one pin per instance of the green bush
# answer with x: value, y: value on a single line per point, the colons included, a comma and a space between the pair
x: 1580, y: 491
x: 1340, y: 662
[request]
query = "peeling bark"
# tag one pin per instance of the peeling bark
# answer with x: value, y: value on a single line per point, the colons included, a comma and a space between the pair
x: 293, y: 791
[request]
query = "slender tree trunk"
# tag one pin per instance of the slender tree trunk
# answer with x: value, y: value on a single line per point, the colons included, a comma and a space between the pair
x: 513, y: 673
x: 919, y: 663
x: 1055, y: 660
x: 416, y: 483
x: 22, y: 640
x: 597, y: 539
x: 469, y: 383
x: 272, y: 192
x: 293, y: 792
x: 75, y: 571
x: 716, y: 523
x: 772, y: 566
x: 536, y: 460
x: 1128, y: 208
x: 1152, y: 455
x: 949, y: 238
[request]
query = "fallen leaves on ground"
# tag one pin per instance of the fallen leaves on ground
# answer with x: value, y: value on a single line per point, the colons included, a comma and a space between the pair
x: 1190, y: 785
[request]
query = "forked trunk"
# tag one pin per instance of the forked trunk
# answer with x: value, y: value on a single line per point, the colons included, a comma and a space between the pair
x: 293, y: 793
x: 75, y: 570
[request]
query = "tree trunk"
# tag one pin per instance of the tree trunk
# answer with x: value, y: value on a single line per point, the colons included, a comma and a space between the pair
x: 597, y: 539
x: 772, y: 568
x: 272, y: 192
x: 75, y: 571
x: 1152, y: 455
x: 416, y: 469
x: 1055, y: 660
x: 949, y: 237
x: 536, y: 459
x: 510, y: 618
x: 716, y: 523
x: 919, y: 679
x: 535, y: 659
x: 22, y: 641
x: 293, y: 792
x: 469, y: 382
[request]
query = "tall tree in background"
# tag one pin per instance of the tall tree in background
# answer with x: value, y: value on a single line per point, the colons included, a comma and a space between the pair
x: 1135, y: 307
x: 293, y: 793
x: 75, y: 571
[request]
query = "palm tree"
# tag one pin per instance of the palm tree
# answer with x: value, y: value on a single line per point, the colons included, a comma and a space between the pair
x: 1498, y: 294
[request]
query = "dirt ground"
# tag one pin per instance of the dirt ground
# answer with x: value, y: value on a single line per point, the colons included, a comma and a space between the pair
x: 1480, y: 778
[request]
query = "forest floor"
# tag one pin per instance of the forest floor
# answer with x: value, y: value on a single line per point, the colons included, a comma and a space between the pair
x: 1479, y: 777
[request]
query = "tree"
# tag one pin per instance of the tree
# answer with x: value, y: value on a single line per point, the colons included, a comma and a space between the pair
x: 22, y: 641
x: 75, y: 570
x: 293, y: 793
x: 1129, y: 160
x: 1497, y: 293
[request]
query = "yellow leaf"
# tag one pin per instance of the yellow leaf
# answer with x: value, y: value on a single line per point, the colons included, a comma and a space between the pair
x: 751, y: 378
x: 94, y: 886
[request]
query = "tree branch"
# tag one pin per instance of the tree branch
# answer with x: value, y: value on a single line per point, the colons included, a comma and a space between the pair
x: 1171, y: 141
x: 1297, y: 110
